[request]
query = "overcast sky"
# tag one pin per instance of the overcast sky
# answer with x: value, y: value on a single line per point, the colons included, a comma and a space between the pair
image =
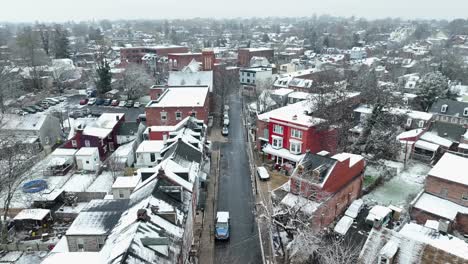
x: 65, y: 10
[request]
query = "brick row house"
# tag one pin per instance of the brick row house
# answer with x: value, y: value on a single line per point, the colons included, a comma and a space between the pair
x: 171, y: 104
x: 325, y: 186
x: 445, y: 195
x: 135, y: 54
x: 101, y: 134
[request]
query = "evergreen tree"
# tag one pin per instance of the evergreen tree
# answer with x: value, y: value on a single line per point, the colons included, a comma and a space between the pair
x: 265, y: 38
x: 61, y: 43
x: 104, y: 77
x: 433, y: 85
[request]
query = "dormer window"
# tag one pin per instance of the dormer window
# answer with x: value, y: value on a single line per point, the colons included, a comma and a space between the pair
x: 409, y: 121
x: 443, y: 109
x: 465, y: 111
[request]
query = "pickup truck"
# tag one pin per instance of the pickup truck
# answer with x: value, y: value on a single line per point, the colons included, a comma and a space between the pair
x: 222, y: 226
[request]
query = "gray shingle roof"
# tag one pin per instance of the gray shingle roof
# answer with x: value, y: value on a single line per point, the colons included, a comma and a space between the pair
x: 455, y: 108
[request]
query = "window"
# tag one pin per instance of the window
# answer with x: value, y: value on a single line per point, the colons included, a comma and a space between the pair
x: 277, y: 142
x: 87, y: 143
x: 87, y: 161
x: 121, y: 195
x: 444, y: 192
x: 163, y: 116
x: 409, y: 121
x: 178, y: 115
x: 454, y: 120
x: 465, y: 197
x: 152, y: 157
x: 465, y: 111
x: 265, y: 133
x: 443, y: 109
x: 248, y: 74
x: 80, y: 244
x: 296, y: 133
x: 421, y: 123
x: 278, y: 129
x: 74, y: 143
x: 295, y: 147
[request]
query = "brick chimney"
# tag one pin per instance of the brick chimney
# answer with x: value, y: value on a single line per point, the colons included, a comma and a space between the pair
x: 208, y: 60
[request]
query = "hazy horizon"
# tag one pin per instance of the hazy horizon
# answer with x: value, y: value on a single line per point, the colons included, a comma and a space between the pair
x: 68, y: 10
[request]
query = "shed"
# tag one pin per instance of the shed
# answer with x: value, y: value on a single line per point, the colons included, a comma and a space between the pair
x: 87, y: 159
x: 29, y: 218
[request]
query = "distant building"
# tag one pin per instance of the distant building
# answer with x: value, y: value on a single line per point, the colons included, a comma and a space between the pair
x: 252, y: 77
x: 245, y: 55
x: 135, y: 54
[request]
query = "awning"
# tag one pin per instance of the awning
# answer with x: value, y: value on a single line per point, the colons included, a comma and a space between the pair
x: 426, y: 145
x: 282, y: 153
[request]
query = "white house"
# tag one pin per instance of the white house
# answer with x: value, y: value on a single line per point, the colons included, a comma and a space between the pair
x: 87, y: 159
x: 124, y: 186
x: 253, y: 76
x: 358, y: 53
x: 148, y: 153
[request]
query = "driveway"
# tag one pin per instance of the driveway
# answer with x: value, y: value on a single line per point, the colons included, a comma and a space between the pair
x: 235, y: 195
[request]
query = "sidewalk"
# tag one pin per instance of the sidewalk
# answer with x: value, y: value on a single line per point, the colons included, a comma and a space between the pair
x: 206, y: 243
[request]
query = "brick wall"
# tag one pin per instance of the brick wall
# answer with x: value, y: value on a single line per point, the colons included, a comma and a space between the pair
x: 153, y: 114
x: 455, y: 191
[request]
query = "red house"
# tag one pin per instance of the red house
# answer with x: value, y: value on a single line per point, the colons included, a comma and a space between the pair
x: 286, y: 133
x: 326, y: 185
x: 245, y: 55
x: 171, y: 104
x: 101, y: 134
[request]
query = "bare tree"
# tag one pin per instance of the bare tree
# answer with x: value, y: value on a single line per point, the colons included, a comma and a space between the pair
x: 9, y: 86
x: 114, y: 165
x: 136, y: 81
x: 263, y: 98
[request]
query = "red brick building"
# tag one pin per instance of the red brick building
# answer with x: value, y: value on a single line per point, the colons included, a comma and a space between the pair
x: 329, y: 184
x: 286, y: 133
x: 101, y: 134
x: 244, y: 55
x: 177, y: 61
x: 135, y: 54
x: 171, y: 104
x: 445, y: 195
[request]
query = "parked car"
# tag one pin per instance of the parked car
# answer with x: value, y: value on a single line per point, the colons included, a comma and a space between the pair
x: 99, y: 101
x: 226, y: 122
x: 129, y: 103
x: 62, y: 98
x: 43, y: 106
x: 29, y: 110
x: 222, y: 226
x: 225, y: 131
x: 91, y: 93
x: 37, y: 108
x: 226, y: 107
x: 53, y: 100
x: 76, y: 114
x: 96, y: 113
x: 354, y: 209
x: 92, y: 101
x: 263, y: 173
x: 136, y: 104
x: 83, y: 101
x: 115, y: 102
x: 122, y: 103
x: 107, y: 102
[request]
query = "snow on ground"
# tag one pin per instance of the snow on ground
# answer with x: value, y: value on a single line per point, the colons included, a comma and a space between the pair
x: 103, y: 183
x: 400, y: 188
x: 28, y: 257
x: 79, y: 182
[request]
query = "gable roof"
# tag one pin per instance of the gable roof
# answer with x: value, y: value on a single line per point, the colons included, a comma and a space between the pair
x: 445, y: 169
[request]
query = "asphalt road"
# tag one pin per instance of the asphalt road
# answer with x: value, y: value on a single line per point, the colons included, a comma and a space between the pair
x: 235, y: 195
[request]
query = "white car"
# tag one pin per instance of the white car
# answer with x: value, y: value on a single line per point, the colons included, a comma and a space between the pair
x: 122, y: 103
x: 136, y: 105
x: 226, y: 122
x: 91, y: 101
x: 354, y: 209
x: 263, y: 173
x: 225, y: 131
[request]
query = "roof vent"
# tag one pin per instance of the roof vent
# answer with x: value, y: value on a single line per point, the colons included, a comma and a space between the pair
x: 294, y: 117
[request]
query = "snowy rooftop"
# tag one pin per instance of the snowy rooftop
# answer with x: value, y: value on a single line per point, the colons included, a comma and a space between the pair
x: 293, y: 113
x: 434, y: 138
x: 426, y: 235
x: 445, y: 169
x: 182, y: 97
x: 282, y: 91
x: 126, y: 182
x: 295, y: 201
x: 299, y: 95
x: 32, y: 122
x: 353, y: 158
x: 96, y: 131
x: 191, y: 78
x: 410, y: 134
x: 439, y: 206
x: 150, y: 146
x: 168, y: 128
x: 63, y: 152
x: 32, y: 214
x: 74, y: 257
x: 86, y: 151
x: 378, y: 212
x: 426, y: 145
x: 109, y: 120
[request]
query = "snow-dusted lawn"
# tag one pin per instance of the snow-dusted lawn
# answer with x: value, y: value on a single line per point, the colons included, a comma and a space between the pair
x: 79, y: 182
x: 400, y: 188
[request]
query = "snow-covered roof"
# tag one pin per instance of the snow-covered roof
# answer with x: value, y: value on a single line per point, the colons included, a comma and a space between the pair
x: 222, y: 217
x: 378, y: 212
x: 32, y: 214
x: 293, y: 113
x: 63, y: 152
x: 343, y: 225
x: 87, y: 151
x: 438, y: 206
x: 127, y: 182
x: 463, y: 146
x: 295, y: 201
x: 426, y: 145
x: 410, y: 134
x: 187, y: 78
x: 434, y: 138
x: 444, y: 169
x: 353, y: 158
x: 74, y: 257
x: 152, y: 146
x: 447, y: 243
x: 282, y: 91
x: 298, y: 95
x: 182, y: 97
x: 32, y: 122
x: 96, y: 131
x: 109, y: 120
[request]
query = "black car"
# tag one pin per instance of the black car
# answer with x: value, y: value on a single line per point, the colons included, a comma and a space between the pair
x: 95, y: 113
x: 129, y: 103
x: 29, y: 110
x: 99, y: 101
x: 37, y: 108
x: 107, y: 102
x: 76, y: 114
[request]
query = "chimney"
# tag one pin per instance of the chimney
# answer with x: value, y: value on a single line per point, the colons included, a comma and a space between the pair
x: 161, y: 173
x: 208, y: 60
x: 294, y: 117
x: 117, y: 118
x: 142, y: 215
